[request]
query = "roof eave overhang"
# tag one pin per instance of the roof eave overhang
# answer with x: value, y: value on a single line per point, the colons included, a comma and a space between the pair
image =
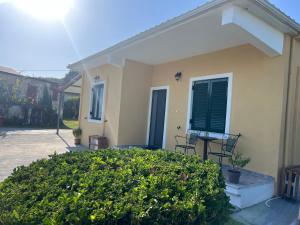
x: 152, y: 31
x: 274, y: 15
x: 292, y: 25
x: 70, y: 82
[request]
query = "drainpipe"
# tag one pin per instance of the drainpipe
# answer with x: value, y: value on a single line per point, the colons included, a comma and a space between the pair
x: 281, y: 172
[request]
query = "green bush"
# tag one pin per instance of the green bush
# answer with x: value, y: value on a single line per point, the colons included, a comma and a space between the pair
x: 115, y: 187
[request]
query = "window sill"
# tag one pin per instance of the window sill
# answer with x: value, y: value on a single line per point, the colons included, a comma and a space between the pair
x: 209, y: 134
x: 95, y: 121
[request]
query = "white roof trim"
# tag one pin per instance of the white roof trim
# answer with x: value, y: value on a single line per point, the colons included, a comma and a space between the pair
x: 277, y: 13
x: 263, y: 36
x: 268, y: 8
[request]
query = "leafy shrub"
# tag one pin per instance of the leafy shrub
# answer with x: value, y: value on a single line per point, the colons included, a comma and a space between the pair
x: 111, y: 187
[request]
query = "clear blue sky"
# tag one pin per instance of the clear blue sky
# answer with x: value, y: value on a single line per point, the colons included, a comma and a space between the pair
x: 30, y: 44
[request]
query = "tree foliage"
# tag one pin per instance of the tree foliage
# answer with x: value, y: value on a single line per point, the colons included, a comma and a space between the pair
x: 46, y: 100
x: 11, y: 94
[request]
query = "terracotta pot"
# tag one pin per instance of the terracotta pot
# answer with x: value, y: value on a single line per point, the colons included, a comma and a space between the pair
x: 2, y: 119
x: 77, y: 141
x: 234, y: 176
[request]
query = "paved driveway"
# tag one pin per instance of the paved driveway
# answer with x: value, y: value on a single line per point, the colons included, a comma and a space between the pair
x: 23, y: 146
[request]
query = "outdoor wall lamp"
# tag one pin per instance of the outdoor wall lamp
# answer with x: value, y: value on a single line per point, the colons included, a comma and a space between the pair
x: 178, y: 76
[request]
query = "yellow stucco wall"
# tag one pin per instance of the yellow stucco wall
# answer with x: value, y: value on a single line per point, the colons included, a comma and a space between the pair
x: 291, y: 155
x: 257, y: 96
x: 112, y: 77
x: 126, y: 103
x: 257, y: 111
x: 134, y: 104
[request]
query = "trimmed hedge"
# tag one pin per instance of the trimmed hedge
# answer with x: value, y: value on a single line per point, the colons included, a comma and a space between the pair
x: 111, y: 187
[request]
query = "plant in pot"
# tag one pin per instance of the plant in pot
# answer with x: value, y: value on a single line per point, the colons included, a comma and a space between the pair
x: 77, y: 134
x: 238, y: 161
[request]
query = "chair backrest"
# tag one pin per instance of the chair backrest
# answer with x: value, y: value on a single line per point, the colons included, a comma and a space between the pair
x: 193, y: 139
x: 229, y: 142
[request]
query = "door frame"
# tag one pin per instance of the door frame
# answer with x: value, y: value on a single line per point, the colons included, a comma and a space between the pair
x: 166, y: 113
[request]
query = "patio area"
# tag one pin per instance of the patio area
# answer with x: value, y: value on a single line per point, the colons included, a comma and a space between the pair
x: 22, y: 146
x: 275, y: 212
x: 252, y: 189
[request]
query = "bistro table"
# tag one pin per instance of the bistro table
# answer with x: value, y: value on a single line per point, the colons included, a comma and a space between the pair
x: 206, y: 139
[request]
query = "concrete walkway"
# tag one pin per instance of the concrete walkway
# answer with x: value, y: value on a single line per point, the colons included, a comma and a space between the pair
x: 280, y: 212
x: 23, y: 146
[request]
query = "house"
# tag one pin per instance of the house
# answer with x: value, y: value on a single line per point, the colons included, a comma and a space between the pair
x: 30, y: 91
x: 30, y: 88
x: 229, y: 66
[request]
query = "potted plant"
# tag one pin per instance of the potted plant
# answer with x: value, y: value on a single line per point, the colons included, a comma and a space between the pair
x: 77, y: 135
x: 237, y: 161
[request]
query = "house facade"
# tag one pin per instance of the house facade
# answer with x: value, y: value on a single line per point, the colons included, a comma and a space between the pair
x: 225, y: 67
x: 24, y: 96
x: 30, y: 88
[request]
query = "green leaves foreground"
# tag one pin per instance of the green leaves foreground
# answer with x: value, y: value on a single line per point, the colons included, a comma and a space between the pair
x: 115, y: 187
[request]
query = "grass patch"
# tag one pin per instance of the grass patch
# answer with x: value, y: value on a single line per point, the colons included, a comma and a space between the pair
x: 71, y: 124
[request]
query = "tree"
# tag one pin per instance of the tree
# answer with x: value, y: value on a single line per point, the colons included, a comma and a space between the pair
x: 10, y: 94
x: 16, y: 95
x: 5, y: 95
x: 46, y: 100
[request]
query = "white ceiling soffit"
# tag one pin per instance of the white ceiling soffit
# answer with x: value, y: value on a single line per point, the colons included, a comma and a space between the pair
x: 268, y: 12
x: 217, y: 25
x: 100, y: 60
x: 258, y: 33
x: 220, y: 29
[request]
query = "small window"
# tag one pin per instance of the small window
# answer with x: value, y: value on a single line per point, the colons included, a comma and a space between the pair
x: 209, y: 105
x: 96, y: 105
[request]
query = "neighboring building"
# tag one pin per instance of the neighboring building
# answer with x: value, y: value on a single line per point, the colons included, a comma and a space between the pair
x: 237, y: 69
x: 30, y: 88
x: 72, y: 88
x: 31, y: 91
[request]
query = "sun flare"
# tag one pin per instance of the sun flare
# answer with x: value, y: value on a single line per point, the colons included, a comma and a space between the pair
x: 49, y: 10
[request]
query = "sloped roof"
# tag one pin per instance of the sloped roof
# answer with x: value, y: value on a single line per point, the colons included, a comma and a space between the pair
x: 266, y: 9
x: 13, y: 72
x: 9, y: 70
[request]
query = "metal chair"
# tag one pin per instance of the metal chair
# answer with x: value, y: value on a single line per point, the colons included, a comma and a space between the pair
x: 186, y: 143
x: 228, y: 143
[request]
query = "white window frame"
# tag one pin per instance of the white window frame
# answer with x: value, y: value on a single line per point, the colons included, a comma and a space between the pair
x: 166, y: 114
x: 229, y: 100
x: 103, y: 102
